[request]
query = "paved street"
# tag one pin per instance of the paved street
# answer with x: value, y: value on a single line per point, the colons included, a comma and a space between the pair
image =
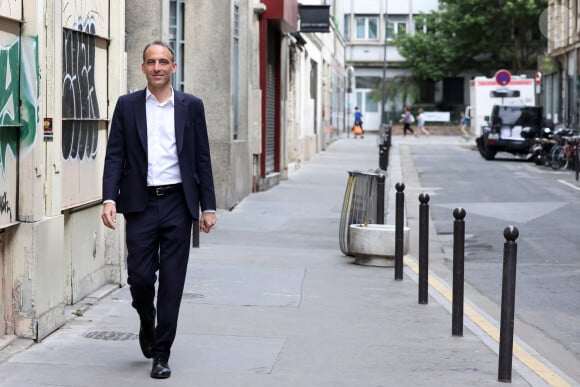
x: 271, y: 301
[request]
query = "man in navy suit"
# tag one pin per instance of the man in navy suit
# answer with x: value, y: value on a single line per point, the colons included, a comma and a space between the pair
x: 158, y: 174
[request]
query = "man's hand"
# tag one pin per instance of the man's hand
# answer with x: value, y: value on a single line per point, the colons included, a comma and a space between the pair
x: 109, y: 215
x: 207, y: 221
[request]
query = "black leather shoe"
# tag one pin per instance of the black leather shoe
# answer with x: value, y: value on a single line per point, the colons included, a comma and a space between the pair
x: 146, y: 339
x: 160, y: 368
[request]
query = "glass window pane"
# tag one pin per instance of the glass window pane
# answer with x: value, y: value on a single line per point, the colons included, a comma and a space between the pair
x: 390, y: 31
x: 368, y: 82
x: 373, y: 28
x: 371, y: 106
x: 401, y: 28
x: 347, y: 27
x: 359, y: 99
x: 360, y: 27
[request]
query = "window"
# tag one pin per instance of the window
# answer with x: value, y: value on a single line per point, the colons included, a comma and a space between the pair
x: 369, y: 82
x: 84, y: 96
x: 366, y: 94
x: 176, y: 40
x: 396, y: 28
x: 367, y: 27
x: 453, y: 90
x: 421, y: 25
x: 346, y: 27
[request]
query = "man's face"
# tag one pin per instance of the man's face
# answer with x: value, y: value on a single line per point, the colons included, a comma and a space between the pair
x: 158, y: 66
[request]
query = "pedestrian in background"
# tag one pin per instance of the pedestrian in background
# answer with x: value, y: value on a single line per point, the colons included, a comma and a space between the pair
x: 158, y: 174
x: 358, y: 123
x: 421, y: 123
x: 463, y: 125
x: 407, y: 119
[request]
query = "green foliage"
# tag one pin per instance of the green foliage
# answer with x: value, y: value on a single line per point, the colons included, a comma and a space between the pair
x: 475, y: 35
x: 398, y: 90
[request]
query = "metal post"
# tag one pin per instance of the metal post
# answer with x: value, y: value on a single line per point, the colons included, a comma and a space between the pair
x: 384, y: 79
x: 195, y: 234
x: 458, y: 271
x: 383, y: 157
x: 508, y: 294
x: 381, y: 199
x: 399, y: 236
x: 423, y: 248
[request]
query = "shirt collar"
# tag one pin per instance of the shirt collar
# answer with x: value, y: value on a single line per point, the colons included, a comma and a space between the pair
x: 150, y: 96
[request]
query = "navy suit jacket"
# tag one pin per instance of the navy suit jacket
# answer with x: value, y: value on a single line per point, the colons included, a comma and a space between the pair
x: 125, y: 172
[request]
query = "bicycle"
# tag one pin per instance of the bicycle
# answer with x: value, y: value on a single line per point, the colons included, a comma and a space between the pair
x: 565, y: 153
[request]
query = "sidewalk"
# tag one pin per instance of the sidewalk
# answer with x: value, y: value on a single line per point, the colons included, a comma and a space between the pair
x: 271, y: 301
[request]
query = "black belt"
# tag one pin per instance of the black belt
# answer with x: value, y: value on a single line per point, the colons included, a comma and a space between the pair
x: 162, y: 190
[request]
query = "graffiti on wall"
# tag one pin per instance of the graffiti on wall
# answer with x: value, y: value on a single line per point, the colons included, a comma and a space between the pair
x: 9, y: 97
x: 19, y: 115
x: 5, y: 206
x: 80, y: 109
x: 75, y: 11
x: 10, y: 8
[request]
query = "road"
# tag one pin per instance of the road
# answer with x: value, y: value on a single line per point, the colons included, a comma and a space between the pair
x: 544, y: 205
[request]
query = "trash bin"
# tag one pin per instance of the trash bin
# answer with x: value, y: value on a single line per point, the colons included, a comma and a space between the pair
x: 361, y: 204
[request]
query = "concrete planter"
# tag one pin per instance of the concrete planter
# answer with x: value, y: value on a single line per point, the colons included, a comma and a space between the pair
x: 374, y: 244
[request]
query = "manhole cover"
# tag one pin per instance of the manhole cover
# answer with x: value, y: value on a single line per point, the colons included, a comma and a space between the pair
x: 191, y: 295
x: 111, y: 335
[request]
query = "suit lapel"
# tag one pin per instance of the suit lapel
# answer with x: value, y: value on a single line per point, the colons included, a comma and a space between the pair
x: 141, y: 119
x: 180, y: 113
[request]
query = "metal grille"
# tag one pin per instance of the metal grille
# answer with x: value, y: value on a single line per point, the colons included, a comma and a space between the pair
x: 111, y: 335
x: 270, y: 150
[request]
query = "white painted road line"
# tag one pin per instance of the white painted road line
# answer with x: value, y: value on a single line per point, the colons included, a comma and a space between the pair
x: 573, y: 186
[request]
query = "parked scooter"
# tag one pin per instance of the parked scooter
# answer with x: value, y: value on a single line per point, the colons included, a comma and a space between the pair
x: 542, y: 147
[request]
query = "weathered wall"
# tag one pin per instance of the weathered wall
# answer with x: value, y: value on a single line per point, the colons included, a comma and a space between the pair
x: 54, y: 114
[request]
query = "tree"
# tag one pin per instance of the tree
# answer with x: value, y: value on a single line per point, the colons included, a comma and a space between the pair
x: 399, y: 91
x: 474, y: 35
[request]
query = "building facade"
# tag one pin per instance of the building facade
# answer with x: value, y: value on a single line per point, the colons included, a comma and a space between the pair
x: 62, y: 63
x: 273, y: 98
x: 370, y: 28
x: 559, y: 69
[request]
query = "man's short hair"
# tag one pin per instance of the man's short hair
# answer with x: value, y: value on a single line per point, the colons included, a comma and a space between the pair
x: 159, y: 43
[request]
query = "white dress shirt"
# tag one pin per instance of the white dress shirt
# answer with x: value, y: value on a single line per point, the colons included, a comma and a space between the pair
x: 163, y: 164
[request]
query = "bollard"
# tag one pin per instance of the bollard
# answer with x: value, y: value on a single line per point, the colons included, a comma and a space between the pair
x: 383, y: 157
x: 381, y: 198
x: 399, y: 236
x: 423, y: 248
x: 508, y: 295
x: 195, y: 234
x: 458, y: 271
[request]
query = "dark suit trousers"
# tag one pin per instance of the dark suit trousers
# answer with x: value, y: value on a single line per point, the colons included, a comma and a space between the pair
x: 158, y: 240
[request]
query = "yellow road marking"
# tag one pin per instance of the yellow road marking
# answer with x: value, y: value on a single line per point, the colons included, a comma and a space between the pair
x: 519, y: 352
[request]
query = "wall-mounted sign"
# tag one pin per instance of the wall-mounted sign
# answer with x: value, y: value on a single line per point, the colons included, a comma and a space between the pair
x: 547, y: 64
x: 48, y: 134
x: 314, y: 18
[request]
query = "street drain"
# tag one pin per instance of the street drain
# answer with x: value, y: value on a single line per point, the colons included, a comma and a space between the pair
x: 111, y: 335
